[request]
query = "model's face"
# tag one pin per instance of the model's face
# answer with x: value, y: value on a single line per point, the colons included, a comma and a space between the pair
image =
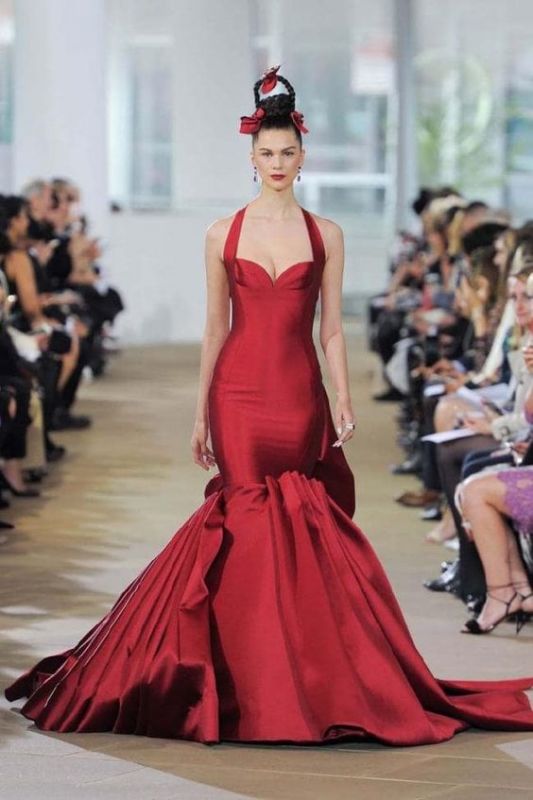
x: 277, y: 155
x: 519, y: 295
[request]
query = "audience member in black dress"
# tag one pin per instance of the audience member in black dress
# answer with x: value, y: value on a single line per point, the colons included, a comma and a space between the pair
x: 40, y: 309
x: 55, y: 318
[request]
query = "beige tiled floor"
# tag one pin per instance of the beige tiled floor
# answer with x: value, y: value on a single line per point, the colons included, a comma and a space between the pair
x: 126, y: 486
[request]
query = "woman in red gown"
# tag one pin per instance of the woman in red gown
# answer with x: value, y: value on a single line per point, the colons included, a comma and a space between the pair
x: 268, y: 616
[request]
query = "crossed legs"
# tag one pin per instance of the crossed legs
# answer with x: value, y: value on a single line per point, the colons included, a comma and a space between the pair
x: 483, y: 507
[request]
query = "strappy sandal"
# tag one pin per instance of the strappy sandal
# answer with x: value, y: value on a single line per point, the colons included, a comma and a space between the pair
x: 524, y: 615
x: 473, y: 626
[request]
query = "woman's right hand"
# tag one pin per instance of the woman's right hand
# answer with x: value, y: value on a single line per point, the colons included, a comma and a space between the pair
x: 201, y: 453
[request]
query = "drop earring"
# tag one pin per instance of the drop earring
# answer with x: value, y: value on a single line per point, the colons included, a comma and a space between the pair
x: 255, y: 174
x: 299, y: 178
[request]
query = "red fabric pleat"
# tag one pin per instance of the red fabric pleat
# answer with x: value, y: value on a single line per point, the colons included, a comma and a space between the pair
x: 267, y: 617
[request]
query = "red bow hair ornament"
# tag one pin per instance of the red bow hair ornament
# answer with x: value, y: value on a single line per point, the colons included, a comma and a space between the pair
x: 253, y: 123
x: 269, y: 79
x: 298, y: 119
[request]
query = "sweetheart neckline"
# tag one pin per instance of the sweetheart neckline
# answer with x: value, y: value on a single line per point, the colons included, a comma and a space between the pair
x: 273, y: 281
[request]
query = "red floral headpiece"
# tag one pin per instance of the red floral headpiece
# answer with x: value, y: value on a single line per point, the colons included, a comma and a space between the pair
x: 253, y: 123
x: 269, y: 79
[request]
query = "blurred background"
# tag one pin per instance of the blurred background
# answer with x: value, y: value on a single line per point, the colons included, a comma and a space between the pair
x: 138, y: 103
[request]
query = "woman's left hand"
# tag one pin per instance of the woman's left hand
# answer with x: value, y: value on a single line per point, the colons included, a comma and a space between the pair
x: 343, y: 416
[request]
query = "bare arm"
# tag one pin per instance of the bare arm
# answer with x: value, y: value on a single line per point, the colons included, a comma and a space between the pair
x: 331, y: 333
x: 215, y: 333
x: 528, y: 408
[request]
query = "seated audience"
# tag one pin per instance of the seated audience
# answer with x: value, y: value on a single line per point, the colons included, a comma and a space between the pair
x: 450, y: 332
x: 56, y: 316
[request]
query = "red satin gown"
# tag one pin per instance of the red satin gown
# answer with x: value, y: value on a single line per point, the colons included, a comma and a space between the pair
x: 267, y: 617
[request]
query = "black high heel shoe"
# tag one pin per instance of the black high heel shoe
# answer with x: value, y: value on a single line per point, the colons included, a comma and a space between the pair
x: 473, y: 626
x: 524, y: 615
x: 33, y: 475
x: 17, y: 492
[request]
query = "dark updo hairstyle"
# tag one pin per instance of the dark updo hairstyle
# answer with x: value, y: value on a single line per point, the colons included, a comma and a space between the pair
x: 10, y: 206
x: 277, y: 108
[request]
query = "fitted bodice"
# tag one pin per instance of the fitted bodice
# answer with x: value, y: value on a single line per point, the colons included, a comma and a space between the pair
x: 271, y: 319
x: 267, y: 405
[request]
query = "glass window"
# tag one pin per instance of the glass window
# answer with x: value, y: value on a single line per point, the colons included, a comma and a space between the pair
x: 474, y: 77
x: 7, y: 32
x: 6, y: 96
x: 518, y: 189
x: 150, y: 72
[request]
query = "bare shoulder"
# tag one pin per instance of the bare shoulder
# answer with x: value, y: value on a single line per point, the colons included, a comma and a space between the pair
x: 16, y: 256
x: 219, y: 228
x: 332, y: 233
x: 216, y: 233
x: 17, y: 260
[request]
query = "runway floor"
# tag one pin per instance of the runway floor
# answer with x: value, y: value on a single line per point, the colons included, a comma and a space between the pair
x: 123, y: 490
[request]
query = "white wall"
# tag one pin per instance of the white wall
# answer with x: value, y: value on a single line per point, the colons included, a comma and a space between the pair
x: 157, y: 263
x: 6, y: 178
x: 60, y: 100
x: 212, y: 80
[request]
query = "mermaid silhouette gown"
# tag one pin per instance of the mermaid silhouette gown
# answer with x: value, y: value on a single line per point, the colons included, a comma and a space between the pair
x: 268, y: 616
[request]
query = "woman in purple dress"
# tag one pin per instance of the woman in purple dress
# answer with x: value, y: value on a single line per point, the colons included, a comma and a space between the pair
x: 487, y: 502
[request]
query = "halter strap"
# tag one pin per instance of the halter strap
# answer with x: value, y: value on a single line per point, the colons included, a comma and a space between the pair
x: 232, y: 239
x: 317, y: 242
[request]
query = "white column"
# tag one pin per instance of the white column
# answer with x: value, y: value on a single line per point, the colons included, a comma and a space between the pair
x: 213, y: 88
x: 406, y: 153
x: 60, y: 124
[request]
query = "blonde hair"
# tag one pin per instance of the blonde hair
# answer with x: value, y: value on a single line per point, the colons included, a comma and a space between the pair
x: 524, y: 276
x: 455, y: 233
x: 34, y: 187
